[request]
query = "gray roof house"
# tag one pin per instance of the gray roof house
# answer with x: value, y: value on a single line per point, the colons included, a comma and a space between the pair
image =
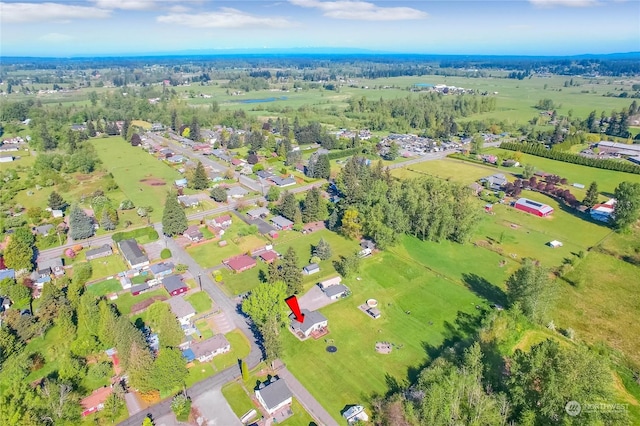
x: 274, y: 395
x: 282, y: 222
x: 311, y: 268
x: 258, y: 212
x: 188, y: 201
x: 132, y: 253
x: 335, y: 291
x: 98, y: 252
x: 161, y: 269
x: 282, y: 182
x: 44, y: 229
x: 205, y: 350
x: 236, y: 192
x: 313, y: 321
x: 495, y: 182
x: 51, y: 266
x: 181, y: 309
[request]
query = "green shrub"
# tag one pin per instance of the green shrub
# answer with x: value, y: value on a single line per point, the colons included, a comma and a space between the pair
x: 181, y: 406
x: 165, y: 253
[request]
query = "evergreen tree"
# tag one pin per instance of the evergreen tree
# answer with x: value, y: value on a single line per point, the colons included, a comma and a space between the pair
x: 289, y: 205
x: 219, y: 194
x: 91, y: 130
x: 322, y: 250
x: 194, y: 129
x: 56, y: 202
x: 174, y: 219
x: 200, y: 179
x: 135, y: 140
x: 105, y: 221
x: 174, y: 120
x: 314, y: 207
x: 125, y: 128
x: 591, y: 198
x: 323, y: 167
x: 291, y: 272
x: 72, y: 144
x: 243, y: 368
x: 80, y: 224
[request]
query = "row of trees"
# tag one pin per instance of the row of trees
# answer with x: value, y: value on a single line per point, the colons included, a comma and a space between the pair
x: 540, y: 150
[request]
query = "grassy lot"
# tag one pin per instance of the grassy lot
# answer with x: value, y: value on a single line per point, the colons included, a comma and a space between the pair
x: 211, y: 254
x: 510, y: 231
x: 200, y: 301
x: 438, y: 309
x: 104, y: 287
x: 237, y: 398
x: 607, y: 179
x: 449, y: 169
x: 234, y: 284
x: 604, y: 303
x: 107, y: 266
x: 129, y: 165
x: 125, y: 301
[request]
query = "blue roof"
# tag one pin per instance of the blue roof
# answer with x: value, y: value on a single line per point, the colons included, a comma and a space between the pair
x: 7, y: 273
x: 188, y: 355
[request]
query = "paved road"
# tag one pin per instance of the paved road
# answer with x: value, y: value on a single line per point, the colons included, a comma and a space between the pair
x: 306, y: 399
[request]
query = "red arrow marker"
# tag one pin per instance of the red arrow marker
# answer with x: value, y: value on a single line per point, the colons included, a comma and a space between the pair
x: 292, y: 302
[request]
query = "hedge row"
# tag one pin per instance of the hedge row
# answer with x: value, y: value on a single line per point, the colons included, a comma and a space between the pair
x: 148, y: 232
x: 334, y: 155
x: 540, y: 150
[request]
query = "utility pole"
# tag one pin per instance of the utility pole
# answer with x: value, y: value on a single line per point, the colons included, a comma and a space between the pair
x: 200, y: 280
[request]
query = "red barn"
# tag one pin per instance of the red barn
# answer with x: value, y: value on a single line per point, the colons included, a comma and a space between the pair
x: 240, y: 263
x: 174, y: 285
x: 533, y: 207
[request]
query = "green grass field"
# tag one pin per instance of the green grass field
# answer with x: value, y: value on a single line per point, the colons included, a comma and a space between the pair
x: 107, y: 266
x: 125, y: 301
x: 104, y: 287
x: 129, y: 165
x: 607, y: 180
x: 438, y: 308
x: 200, y: 301
x: 237, y: 398
x: 449, y: 169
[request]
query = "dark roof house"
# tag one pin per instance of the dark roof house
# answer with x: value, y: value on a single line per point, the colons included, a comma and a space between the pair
x: 98, y: 252
x: 313, y: 321
x: 132, y: 253
x: 174, y: 285
x: 274, y: 395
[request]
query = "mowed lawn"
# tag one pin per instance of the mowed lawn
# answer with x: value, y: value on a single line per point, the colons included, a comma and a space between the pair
x: 419, y: 311
x: 129, y: 165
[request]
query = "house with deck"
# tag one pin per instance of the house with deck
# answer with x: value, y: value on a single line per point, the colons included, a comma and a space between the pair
x: 274, y: 395
x: 313, y: 324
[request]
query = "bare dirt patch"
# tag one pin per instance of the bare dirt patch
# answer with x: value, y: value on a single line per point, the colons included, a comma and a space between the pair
x: 153, y: 181
x: 141, y: 306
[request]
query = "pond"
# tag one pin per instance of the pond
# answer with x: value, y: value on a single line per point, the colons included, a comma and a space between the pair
x: 259, y: 101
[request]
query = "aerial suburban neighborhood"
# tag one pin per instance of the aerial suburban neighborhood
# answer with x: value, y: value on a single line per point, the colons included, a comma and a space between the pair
x: 204, y: 237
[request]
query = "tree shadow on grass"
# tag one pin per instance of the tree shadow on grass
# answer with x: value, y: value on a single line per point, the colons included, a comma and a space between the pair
x: 485, y: 289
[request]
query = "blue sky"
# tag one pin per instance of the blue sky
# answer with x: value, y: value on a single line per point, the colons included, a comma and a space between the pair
x: 529, y: 27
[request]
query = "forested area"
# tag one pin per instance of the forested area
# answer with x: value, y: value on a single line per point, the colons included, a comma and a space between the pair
x: 382, y: 208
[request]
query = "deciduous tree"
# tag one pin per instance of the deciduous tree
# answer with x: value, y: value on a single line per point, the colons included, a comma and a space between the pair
x: 531, y: 287
x: 627, y: 210
x: 267, y: 301
x: 351, y: 226
x: 19, y: 252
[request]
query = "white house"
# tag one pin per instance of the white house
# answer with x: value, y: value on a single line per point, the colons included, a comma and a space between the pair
x: 207, y: 349
x: 329, y: 282
x: 181, y: 309
x: 274, y: 395
x: 355, y: 413
x: 335, y: 292
x: 310, y: 269
x: 603, y: 212
x: 313, y: 321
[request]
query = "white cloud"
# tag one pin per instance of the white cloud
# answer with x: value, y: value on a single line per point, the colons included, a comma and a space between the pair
x: 361, y: 10
x: 567, y: 3
x: 225, y: 17
x: 12, y: 13
x: 125, y: 4
x: 179, y: 9
x: 55, y: 38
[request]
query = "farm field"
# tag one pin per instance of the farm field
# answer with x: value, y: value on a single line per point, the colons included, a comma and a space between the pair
x: 130, y: 167
x: 448, y: 169
x: 607, y: 179
x: 419, y: 311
